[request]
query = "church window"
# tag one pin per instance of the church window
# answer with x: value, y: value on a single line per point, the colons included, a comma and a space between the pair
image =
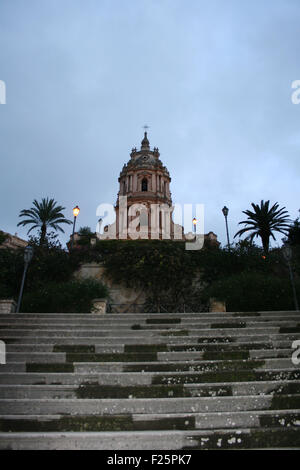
x: 144, y: 185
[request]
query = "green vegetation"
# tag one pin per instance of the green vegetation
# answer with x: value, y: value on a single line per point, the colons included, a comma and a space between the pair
x: 262, y: 222
x: 246, y: 277
x: 43, y: 215
x: 50, y: 286
x: 3, y: 237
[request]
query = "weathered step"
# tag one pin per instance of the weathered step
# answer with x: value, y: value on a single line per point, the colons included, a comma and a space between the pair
x: 42, y: 357
x: 92, y: 390
x: 130, y: 315
x: 153, y: 366
x: 168, y: 337
x: 149, y: 324
x: 161, y: 347
x: 147, y: 405
x: 118, y: 332
x: 154, y: 440
x: 177, y: 366
x: 147, y: 378
x: 154, y: 422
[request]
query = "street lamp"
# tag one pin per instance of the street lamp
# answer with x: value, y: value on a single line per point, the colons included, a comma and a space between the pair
x: 194, y: 223
x: 288, y: 254
x: 28, y: 254
x: 225, y: 211
x: 76, y: 211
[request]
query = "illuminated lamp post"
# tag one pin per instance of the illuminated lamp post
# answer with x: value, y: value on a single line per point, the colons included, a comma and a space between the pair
x: 76, y: 211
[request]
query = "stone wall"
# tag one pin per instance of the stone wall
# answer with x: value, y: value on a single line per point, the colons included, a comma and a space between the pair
x: 123, y: 298
x: 7, y: 306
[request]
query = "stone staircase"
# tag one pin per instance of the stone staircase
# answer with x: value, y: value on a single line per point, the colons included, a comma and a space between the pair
x: 150, y: 381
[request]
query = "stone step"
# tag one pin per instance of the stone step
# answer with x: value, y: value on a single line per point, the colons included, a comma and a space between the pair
x: 239, y: 322
x: 130, y: 315
x: 231, y: 354
x: 93, y: 365
x: 204, y: 366
x: 59, y: 332
x: 149, y: 391
x: 167, y: 347
x: 212, y: 337
x: 154, y: 440
x: 143, y: 422
x: 212, y: 380
x: 265, y: 347
x: 148, y: 405
x: 146, y: 378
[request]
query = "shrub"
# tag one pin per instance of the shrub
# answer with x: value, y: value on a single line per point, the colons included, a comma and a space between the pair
x: 252, y: 291
x: 67, y: 297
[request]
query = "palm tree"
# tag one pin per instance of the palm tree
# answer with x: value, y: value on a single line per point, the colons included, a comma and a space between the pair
x: 264, y: 221
x: 44, y: 214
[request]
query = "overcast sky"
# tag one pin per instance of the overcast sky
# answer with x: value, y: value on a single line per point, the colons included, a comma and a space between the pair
x: 211, y: 78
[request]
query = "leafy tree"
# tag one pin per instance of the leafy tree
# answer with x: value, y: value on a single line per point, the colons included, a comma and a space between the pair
x: 43, y: 215
x: 294, y: 233
x: 3, y: 237
x: 85, y: 234
x: 263, y: 221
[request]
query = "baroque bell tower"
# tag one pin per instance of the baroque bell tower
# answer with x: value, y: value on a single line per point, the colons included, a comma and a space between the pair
x: 144, y: 203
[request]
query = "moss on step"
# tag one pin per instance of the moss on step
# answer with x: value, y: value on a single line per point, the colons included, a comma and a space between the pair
x: 96, y: 424
x: 207, y: 377
x: 129, y: 357
x: 254, y: 439
x: 138, y: 391
x: 215, y: 339
x: 285, y: 402
x: 289, y: 329
x: 285, y: 419
x: 158, y: 321
x: 175, y: 333
x: 69, y: 424
x: 287, y: 389
x: 165, y: 424
x: 213, y: 391
x: 195, y: 366
x: 145, y: 348
x: 51, y: 367
x: 225, y: 355
x: 228, y: 325
x: 220, y: 347
x: 74, y: 348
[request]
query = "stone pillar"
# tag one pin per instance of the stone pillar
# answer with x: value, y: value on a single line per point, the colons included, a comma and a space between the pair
x: 217, y: 305
x: 7, y: 306
x: 99, y: 306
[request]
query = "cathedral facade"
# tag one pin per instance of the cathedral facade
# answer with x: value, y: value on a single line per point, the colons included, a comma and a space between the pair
x: 144, y: 202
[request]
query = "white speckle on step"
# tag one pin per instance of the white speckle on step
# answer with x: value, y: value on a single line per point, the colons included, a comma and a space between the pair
x: 219, y: 443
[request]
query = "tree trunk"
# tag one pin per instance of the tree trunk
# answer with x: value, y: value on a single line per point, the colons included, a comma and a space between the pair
x: 265, y: 242
x: 43, y: 234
